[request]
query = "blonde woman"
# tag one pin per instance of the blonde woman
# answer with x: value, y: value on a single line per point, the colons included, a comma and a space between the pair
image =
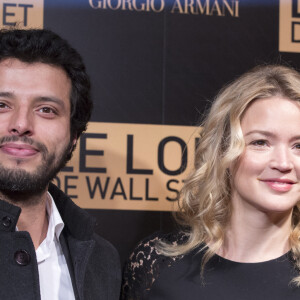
x: 239, y: 211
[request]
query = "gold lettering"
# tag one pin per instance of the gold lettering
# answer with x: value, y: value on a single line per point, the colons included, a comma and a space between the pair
x: 216, y: 7
x: 142, y: 8
x: 114, y: 7
x: 230, y: 9
x: 177, y: 6
x: 195, y: 7
x: 200, y: 8
x: 237, y: 8
x: 189, y: 7
x: 147, y: 7
x: 124, y: 4
x: 162, y: 6
x: 91, y: 2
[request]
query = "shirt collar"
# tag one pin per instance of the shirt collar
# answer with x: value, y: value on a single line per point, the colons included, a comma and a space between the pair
x: 55, y: 227
x: 56, y: 224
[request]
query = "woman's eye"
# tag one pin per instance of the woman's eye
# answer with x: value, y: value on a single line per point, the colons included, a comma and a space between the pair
x: 259, y: 143
x: 297, y: 146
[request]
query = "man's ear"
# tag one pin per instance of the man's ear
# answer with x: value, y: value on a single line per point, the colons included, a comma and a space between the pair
x: 74, y: 142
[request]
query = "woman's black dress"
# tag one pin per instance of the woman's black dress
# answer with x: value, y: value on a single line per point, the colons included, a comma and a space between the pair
x: 150, y: 275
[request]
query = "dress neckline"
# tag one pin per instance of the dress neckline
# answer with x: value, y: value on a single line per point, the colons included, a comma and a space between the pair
x: 283, y: 257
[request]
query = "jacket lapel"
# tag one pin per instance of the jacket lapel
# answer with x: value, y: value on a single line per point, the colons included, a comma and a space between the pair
x: 76, y: 238
x: 80, y: 252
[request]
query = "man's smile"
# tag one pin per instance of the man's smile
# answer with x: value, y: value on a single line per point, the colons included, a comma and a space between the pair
x: 19, y: 149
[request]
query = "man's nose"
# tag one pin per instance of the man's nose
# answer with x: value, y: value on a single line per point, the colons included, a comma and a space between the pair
x: 21, y: 122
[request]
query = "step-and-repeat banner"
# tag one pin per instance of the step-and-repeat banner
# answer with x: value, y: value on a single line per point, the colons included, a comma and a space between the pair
x: 129, y: 166
x: 155, y: 66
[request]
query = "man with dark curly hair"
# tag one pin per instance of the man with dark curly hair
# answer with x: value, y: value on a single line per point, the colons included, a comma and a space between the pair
x: 48, y: 249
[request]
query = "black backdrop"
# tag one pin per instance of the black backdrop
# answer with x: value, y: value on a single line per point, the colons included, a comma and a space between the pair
x: 163, y: 68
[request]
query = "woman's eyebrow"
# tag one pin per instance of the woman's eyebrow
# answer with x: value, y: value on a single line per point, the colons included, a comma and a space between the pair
x: 263, y: 132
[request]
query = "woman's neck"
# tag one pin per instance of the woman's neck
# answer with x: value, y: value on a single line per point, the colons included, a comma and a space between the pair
x: 255, y: 236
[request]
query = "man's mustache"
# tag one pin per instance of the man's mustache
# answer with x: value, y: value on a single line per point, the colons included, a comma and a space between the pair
x: 26, y: 140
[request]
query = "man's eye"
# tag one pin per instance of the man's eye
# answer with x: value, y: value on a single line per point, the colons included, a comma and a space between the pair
x: 47, y: 110
x: 3, y: 105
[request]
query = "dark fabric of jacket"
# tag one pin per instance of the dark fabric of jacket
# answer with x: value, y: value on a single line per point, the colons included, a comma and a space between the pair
x: 93, y: 263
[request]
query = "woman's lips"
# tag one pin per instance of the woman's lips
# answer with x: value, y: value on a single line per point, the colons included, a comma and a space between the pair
x: 18, y: 150
x: 279, y: 185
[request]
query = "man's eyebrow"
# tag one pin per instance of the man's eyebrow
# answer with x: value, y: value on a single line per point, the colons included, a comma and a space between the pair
x: 39, y: 99
x: 50, y: 99
x: 6, y: 94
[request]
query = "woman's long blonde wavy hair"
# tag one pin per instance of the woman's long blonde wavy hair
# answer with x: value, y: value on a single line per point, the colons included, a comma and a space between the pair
x: 205, y: 206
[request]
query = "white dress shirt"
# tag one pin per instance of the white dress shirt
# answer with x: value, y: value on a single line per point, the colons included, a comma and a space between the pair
x: 55, y: 280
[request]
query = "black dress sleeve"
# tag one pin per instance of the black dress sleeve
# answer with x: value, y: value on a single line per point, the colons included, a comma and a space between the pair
x: 145, y: 264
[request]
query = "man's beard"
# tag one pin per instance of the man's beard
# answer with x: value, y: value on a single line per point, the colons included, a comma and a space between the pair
x: 18, y: 184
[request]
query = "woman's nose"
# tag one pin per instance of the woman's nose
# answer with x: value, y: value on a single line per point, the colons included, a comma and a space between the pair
x: 282, y: 159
